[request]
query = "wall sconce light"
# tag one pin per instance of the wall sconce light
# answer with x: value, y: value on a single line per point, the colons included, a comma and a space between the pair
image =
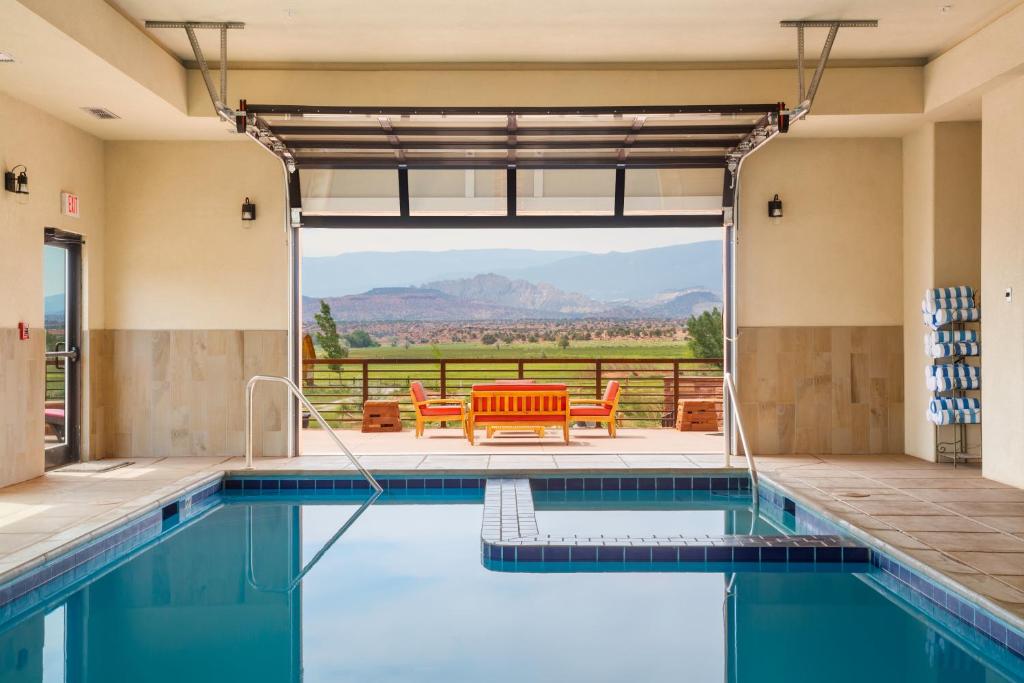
x: 248, y: 210
x: 16, y: 182
x: 775, y: 210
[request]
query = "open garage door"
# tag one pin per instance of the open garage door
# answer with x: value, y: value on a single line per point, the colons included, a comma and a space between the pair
x: 671, y: 166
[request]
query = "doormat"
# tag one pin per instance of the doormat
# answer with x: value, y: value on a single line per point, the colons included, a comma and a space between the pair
x: 95, y: 466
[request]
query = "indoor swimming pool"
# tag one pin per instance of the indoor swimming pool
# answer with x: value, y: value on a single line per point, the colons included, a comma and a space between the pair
x: 254, y: 583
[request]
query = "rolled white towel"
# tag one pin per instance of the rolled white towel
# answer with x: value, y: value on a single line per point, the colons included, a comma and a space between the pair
x: 951, y: 383
x: 945, y: 316
x: 940, y: 403
x: 933, y: 305
x: 952, y: 370
x: 958, y: 349
x: 948, y: 417
x: 949, y: 292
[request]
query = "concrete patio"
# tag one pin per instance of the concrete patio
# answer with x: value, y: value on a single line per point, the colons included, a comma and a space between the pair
x: 452, y: 441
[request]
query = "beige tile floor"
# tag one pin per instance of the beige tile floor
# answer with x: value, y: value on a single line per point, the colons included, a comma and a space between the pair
x: 952, y: 520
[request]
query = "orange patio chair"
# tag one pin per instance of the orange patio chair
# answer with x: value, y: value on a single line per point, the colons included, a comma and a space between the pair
x: 435, y: 409
x: 597, y: 409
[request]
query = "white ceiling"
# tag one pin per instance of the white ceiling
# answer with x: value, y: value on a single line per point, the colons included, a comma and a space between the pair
x: 280, y: 31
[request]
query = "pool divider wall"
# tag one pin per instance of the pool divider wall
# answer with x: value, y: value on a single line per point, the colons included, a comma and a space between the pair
x: 510, y: 538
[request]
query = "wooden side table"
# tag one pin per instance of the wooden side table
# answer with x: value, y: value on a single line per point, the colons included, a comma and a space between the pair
x: 381, y: 416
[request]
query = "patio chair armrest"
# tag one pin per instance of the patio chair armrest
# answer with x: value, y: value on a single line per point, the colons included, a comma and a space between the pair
x: 442, y: 401
x: 588, y: 401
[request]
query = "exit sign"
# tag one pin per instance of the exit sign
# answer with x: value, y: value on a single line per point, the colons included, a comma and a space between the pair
x: 69, y: 204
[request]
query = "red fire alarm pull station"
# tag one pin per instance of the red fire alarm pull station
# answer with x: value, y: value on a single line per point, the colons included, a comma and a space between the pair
x: 22, y: 331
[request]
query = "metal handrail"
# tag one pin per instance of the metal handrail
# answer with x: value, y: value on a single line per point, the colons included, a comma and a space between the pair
x: 250, y: 388
x: 730, y: 390
x: 250, y: 571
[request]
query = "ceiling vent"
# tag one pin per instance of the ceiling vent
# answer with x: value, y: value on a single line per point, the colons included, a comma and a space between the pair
x: 6, y: 56
x: 100, y: 113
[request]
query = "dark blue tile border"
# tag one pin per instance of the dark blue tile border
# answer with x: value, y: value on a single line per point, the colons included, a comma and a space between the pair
x: 895, y: 576
x: 654, y: 483
x: 330, y: 483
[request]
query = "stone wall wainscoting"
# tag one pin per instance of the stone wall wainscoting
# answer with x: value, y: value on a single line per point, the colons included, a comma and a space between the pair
x: 21, y: 406
x: 159, y: 393
x: 822, y: 389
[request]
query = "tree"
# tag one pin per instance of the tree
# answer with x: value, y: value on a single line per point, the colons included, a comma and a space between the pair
x: 706, y: 334
x: 488, y: 339
x: 563, y: 341
x: 327, y: 333
x: 360, y: 339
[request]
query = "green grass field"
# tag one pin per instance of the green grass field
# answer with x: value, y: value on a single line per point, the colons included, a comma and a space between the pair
x: 577, y: 349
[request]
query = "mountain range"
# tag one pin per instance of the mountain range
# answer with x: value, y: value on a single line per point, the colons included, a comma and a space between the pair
x: 495, y: 297
x: 614, y: 276
x: 666, y: 282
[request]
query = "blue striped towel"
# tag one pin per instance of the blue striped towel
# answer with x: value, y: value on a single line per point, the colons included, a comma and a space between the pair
x: 950, y: 383
x: 949, y: 292
x: 952, y: 370
x: 948, y: 417
x: 958, y: 349
x: 940, y: 403
x: 950, y: 337
x: 933, y: 305
x: 945, y: 316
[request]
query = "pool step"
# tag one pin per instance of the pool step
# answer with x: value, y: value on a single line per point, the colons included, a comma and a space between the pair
x: 510, y: 540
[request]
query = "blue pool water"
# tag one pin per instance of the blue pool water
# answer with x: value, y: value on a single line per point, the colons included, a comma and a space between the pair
x: 403, y: 596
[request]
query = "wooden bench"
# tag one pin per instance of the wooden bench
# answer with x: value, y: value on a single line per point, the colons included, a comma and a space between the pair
x: 522, y: 406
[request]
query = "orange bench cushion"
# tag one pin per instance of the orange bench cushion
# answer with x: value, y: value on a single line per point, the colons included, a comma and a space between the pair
x: 591, y: 411
x: 439, y: 411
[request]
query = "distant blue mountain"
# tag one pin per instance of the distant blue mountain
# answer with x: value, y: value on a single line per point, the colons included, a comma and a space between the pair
x: 632, y: 275
x: 53, y: 305
x: 330, y: 276
x: 628, y: 276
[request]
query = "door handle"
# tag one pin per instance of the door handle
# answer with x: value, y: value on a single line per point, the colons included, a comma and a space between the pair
x: 70, y: 354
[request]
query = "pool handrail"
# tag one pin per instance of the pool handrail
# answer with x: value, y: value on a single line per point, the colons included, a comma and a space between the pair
x: 250, y: 388
x: 250, y: 570
x: 730, y: 391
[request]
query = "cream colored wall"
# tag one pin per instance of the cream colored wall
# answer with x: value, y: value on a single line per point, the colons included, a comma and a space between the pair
x: 835, y: 258
x: 58, y: 158
x: 918, y: 275
x: 197, y: 299
x: 179, y: 256
x: 1002, y: 266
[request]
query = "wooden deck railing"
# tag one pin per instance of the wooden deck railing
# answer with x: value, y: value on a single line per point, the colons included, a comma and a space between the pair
x: 651, y: 387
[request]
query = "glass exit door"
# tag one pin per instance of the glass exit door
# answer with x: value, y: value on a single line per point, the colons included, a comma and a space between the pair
x: 62, y: 306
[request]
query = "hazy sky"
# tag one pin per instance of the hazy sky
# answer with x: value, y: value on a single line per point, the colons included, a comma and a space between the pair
x: 330, y: 242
